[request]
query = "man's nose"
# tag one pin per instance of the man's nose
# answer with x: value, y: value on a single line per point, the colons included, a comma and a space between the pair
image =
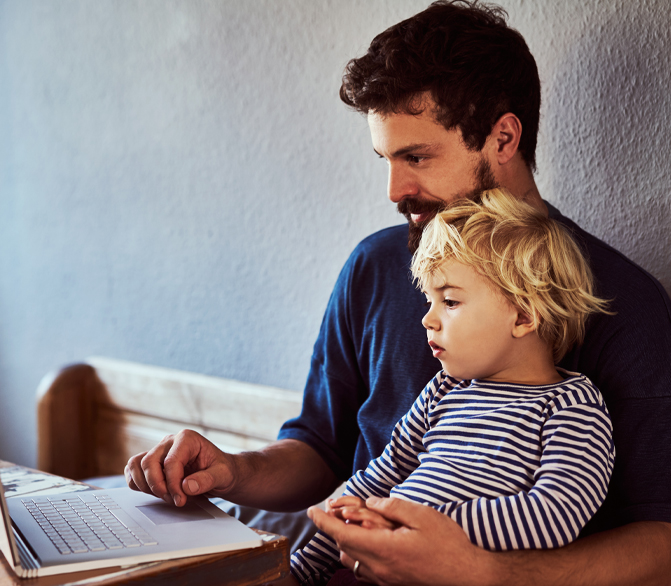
x: 400, y: 184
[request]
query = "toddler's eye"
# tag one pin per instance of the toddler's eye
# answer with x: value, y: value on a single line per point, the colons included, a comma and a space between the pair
x: 451, y: 303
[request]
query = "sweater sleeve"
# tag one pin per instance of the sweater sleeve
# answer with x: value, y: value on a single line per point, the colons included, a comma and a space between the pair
x: 569, y: 486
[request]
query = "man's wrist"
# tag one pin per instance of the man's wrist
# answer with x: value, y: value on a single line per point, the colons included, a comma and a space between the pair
x: 225, y: 475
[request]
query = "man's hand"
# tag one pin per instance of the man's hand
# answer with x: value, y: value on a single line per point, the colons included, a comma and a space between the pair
x: 287, y: 475
x: 426, y: 547
x: 430, y: 548
x: 181, y: 465
x: 352, y: 509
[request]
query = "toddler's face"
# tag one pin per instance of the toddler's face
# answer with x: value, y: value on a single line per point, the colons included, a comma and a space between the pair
x: 469, y: 325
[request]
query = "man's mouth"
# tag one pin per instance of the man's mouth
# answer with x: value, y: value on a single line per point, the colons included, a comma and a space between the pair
x: 420, y: 218
x: 419, y: 211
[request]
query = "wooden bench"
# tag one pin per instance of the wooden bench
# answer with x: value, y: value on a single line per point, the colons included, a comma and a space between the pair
x: 92, y: 417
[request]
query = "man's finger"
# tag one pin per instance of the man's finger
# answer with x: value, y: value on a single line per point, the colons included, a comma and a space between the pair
x: 349, y: 562
x: 336, y: 528
x: 184, y: 450
x: 152, y: 470
x: 132, y: 470
x: 129, y: 471
x: 346, y: 560
x: 401, y: 512
x: 144, y: 472
x: 323, y: 520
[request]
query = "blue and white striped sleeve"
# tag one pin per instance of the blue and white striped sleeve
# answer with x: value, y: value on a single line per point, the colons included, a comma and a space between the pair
x: 569, y: 486
x: 400, y: 457
x: 318, y: 560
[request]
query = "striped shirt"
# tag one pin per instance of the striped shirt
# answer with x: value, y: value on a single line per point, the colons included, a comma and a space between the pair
x: 516, y: 466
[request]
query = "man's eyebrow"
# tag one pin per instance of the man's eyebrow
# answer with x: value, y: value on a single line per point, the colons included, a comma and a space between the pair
x: 411, y: 148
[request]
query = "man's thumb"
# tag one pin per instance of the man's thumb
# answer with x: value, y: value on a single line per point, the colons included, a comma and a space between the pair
x: 197, y: 483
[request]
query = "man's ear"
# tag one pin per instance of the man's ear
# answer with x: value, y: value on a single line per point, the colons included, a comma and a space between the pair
x: 524, y: 324
x: 506, y: 135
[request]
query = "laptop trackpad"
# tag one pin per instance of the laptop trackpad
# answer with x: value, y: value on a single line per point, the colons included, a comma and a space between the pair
x: 164, y: 514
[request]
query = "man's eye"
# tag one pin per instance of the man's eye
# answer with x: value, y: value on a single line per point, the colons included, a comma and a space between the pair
x: 451, y: 303
x: 415, y: 159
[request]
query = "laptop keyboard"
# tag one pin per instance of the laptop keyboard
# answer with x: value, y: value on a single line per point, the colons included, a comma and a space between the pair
x: 76, y: 526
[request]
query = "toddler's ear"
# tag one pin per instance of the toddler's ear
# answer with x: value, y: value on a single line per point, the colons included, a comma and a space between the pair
x: 524, y: 324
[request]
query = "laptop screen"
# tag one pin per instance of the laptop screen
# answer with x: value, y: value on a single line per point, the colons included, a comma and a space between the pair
x: 7, y: 543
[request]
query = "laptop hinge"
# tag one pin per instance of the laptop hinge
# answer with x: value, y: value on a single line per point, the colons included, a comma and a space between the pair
x: 29, y: 563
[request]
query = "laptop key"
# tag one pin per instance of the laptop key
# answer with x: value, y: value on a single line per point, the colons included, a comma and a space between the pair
x: 76, y: 526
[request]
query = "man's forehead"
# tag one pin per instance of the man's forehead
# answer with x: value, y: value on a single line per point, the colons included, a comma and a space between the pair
x: 394, y: 131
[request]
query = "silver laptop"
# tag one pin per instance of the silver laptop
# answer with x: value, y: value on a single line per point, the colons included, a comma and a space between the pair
x: 61, y: 533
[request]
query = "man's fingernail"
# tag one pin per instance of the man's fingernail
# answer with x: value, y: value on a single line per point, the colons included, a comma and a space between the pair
x: 166, y: 497
x: 193, y: 486
x: 178, y: 499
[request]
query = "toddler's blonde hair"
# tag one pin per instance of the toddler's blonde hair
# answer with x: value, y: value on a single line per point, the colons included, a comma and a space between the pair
x: 529, y: 258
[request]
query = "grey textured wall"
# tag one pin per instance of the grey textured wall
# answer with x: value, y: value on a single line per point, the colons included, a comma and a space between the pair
x: 180, y: 185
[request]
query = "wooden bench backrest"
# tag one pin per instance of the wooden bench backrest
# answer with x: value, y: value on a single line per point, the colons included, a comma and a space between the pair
x: 93, y: 416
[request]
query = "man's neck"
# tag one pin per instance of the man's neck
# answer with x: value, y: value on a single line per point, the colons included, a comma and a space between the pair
x: 533, y: 197
x: 517, y: 178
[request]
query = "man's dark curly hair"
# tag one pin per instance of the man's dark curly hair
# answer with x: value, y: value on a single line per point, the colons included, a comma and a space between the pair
x: 474, y: 65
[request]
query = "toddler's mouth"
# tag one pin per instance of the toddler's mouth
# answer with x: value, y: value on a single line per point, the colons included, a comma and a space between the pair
x: 436, y: 348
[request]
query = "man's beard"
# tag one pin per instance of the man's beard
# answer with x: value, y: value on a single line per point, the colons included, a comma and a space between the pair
x: 484, y: 180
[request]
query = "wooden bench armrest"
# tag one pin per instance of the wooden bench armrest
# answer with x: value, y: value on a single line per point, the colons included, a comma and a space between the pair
x: 93, y: 416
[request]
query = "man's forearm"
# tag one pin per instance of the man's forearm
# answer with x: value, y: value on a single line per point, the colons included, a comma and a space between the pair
x: 430, y: 549
x: 638, y: 553
x: 288, y: 475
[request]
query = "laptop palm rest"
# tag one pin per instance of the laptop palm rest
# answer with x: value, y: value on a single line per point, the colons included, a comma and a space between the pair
x: 163, y: 514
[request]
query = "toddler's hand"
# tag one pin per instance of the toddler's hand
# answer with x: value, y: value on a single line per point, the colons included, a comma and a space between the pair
x: 334, y: 507
x: 352, y: 509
